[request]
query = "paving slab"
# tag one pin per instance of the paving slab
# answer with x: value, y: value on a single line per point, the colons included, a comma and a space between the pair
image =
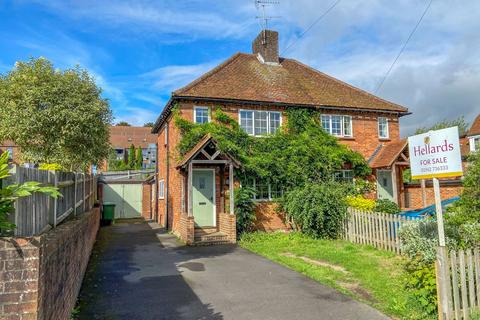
x: 139, y: 271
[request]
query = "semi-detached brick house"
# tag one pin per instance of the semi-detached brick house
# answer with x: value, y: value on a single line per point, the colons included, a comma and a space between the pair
x: 256, y: 89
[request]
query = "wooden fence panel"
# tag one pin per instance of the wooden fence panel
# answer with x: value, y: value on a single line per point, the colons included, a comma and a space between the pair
x: 376, y: 229
x: 461, y: 281
x: 38, y: 212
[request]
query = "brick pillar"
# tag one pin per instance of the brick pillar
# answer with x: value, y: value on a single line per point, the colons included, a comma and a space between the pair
x: 228, y: 225
x: 187, y: 229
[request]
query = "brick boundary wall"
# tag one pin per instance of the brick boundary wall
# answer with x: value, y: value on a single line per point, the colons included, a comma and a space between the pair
x: 40, y: 277
x: 186, y: 229
x: 228, y: 225
x: 414, y: 193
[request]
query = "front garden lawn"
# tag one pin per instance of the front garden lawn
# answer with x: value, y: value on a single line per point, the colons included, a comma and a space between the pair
x: 372, y: 276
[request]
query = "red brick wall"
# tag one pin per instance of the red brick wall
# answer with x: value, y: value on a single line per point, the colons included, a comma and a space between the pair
x: 228, y: 225
x: 185, y: 229
x: 41, y: 276
x: 268, y: 219
x: 146, y: 203
x: 414, y: 192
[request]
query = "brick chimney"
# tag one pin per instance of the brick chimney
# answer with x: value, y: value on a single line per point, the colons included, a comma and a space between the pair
x: 265, y: 46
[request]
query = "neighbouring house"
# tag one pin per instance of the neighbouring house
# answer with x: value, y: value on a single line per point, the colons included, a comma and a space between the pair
x: 195, y: 194
x: 122, y: 137
x: 12, y: 149
x: 473, y: 136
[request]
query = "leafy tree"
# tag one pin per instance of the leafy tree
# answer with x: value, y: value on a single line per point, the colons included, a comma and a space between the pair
x: 149, y: 124
x: 54, y: 116
x: 139, y: 158
x: 460, y: 122
x: 123, y: 123
x: 10, y: 193
x: 131, y: 157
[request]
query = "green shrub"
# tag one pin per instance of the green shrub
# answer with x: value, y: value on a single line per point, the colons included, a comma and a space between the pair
x: 421, y: 281
x: 361, y: 203
x: 244, y: 209
x: 386, y: 206
x: 419, y: 240
x: 319, y: 210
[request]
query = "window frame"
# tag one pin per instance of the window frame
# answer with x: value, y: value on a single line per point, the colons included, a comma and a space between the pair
x: 269, y: 185
x: 386, y: 127
x: 195, y: 108
x: 161, y: 189
x: 342, y: 125
x: 343, y: 177
x: 253, y: 121
x: 473, y: 143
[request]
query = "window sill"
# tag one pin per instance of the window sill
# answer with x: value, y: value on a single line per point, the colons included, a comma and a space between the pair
x: 345, y: 138
x: 384, y: 139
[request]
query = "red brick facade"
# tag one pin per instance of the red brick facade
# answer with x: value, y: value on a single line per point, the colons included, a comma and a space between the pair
x: 411, y: 195
x: 147, y: 203
x: 41, y: 276
x: 364, y: 140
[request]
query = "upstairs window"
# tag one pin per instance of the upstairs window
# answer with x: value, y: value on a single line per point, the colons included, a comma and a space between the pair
x: 337, y: 125
x: 382, y: 128
x: 259, y: 123
x: 201, y: 115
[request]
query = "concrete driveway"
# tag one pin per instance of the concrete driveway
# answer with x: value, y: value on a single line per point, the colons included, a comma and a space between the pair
x: 137, y: 271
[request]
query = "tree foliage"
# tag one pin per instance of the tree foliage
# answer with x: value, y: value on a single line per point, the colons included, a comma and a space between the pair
x: 10, y: 193
x: 131, y: 157
x: 123, y: 123
x: 460, y: 122
x: 54, y: 116
x: 139, y: 158
x: 148, y: 124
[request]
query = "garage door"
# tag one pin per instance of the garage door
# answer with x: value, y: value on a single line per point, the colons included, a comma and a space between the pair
x: 127, y: 198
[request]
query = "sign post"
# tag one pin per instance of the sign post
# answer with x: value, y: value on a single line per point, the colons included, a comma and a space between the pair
x: 436, y: 154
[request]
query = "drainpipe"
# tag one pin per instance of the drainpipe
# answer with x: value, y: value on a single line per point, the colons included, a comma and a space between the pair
x: 156, y: 183
x: 167, y: 177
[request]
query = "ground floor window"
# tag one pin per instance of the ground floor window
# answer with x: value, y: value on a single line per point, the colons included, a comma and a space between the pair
x: 265, y: 191
x: 343, y: 175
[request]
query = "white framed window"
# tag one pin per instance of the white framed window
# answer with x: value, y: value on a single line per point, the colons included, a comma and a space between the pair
x: 259, y: 123
x: 343, y: 175
x: 265, y: 191
x: 475, y: 143
x: 201, y: 115
x: 161, y: 189
x: 337, y: 125
x: 382, y: 127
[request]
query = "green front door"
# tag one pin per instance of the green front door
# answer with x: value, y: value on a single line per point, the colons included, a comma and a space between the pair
x: 203, y: 197
x: 384, y: 185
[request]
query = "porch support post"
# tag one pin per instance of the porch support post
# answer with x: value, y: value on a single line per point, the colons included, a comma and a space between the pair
x: 230, y: 187
x: 190, y: 189
x: 395, y: 184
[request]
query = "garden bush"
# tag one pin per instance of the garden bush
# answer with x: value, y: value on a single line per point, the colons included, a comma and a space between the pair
x: 318, y: 210
x: 244, y: 209
x: 386, y: 206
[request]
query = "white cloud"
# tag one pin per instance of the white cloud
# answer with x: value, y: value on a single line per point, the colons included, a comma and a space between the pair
x: 135, y: 116
x: 173, y: 77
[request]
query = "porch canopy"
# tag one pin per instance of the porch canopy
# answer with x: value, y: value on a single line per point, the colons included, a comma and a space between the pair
x: 207, y: 153
x: 392, y: 156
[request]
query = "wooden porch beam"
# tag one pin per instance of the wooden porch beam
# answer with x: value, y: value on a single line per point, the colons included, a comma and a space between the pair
x: 190, y: 189
x: 230, y: 186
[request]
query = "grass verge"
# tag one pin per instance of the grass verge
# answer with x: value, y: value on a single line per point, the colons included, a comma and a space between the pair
x: 372, y: 276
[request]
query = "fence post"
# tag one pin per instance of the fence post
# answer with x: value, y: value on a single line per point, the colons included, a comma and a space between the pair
x: 75, y: 194
x: 443, y: 281
x: 53, y: 179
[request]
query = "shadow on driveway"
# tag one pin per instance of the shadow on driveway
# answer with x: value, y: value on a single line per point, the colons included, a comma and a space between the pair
x: 138, y: 271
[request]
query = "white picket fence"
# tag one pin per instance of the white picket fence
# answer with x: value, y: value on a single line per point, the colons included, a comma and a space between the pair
x: 376, y: 229
x: 458, y: 283
x: 37, y: 213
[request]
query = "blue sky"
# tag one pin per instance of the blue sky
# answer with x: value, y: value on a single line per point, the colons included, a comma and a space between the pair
x: 140, y: 51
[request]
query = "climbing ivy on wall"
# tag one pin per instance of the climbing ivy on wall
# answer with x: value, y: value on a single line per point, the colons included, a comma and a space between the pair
x: 300, y: 152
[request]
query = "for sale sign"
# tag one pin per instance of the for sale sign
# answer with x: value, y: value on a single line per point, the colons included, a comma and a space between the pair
x: 435, y: 154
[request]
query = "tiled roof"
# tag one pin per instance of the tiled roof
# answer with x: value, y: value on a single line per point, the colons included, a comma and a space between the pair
x: 244, y: 78
x: 475, y: 129
x: 125, y: 136
x: 388, y: 153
